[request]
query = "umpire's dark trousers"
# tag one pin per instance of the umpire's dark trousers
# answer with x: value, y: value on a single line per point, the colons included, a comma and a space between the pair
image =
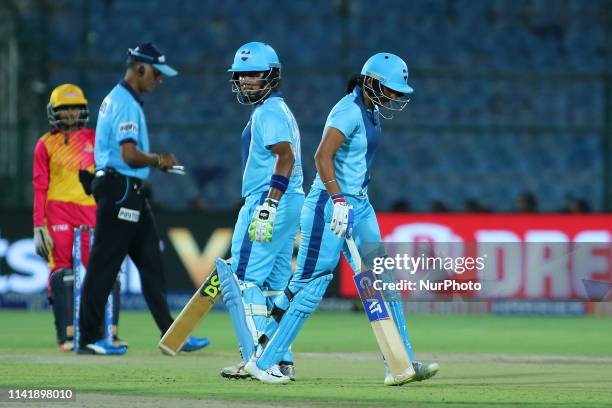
x: 124, y: 226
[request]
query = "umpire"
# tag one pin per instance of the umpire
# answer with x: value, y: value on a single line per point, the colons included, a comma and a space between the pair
x: 125, y: 223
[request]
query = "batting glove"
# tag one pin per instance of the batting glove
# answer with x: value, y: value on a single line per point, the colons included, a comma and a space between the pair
x: 42, y: 242
x: 342, y: 218
x: 262, y: 224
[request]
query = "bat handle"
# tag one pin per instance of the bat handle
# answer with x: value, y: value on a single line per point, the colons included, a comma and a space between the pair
x: 352, y: 247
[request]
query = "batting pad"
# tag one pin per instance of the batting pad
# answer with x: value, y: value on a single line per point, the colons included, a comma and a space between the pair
x: 232, y: 297
x: 301, y: 307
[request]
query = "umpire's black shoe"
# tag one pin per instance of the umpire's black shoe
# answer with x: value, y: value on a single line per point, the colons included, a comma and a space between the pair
x: 102, y: 348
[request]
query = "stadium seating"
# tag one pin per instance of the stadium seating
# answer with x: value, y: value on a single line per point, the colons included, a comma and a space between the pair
x: 508, y: 94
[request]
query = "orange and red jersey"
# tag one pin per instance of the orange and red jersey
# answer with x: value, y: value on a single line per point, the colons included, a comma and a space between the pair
x: 58, y: 157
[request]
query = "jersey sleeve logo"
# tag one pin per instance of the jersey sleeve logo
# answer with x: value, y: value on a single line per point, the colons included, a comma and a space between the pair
x: 103, y: 107
x: 128, y: 127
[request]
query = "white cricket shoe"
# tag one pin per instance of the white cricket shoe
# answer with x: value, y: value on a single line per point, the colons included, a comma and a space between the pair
x: 403, y: 379
x: 422, y: 371
x: 235, y: 372
x: 425, y: 370
x: 287, y: 369
x: 270, y: 376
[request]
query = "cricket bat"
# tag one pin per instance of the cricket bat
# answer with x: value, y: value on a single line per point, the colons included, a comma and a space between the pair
x: 194, y: 311
x: 385, y: 331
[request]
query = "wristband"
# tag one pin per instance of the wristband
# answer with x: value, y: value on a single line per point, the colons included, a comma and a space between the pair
x: 271, y: 202
x: 158, y: 160
x: 338, y: 198
x: 279, y: 182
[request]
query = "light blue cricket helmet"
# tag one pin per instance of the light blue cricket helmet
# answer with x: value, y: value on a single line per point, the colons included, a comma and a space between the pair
x: 390, y: 70
x: 255, y: 56
x: 386, y: 70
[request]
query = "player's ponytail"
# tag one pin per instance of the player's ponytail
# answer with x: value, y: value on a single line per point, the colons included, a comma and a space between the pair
x: 355, y: 80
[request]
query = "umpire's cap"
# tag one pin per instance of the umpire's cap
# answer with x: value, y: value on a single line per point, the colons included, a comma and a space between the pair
x: 150, y: 54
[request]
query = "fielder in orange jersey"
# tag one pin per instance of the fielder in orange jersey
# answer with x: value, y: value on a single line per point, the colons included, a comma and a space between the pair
x: 60, y: 201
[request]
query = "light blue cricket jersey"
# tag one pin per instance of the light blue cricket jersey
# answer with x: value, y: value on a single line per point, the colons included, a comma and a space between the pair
x: 271, y: 122
x: 120, y: 120
x: 361, y: 129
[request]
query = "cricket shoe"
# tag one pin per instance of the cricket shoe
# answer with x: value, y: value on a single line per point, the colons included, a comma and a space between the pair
x: 424, y: 371
x: 66, y: 346
x: 270, y: 376
x: 235, y: 372
x: 102, y: 348
x: 287, y: 368
x: 117, y: 342
x: 391, y: 380
x: 194, y: 343
x: 408, y: 376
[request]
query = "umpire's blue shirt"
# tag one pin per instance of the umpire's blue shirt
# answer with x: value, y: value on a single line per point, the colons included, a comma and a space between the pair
x: 120, y: 120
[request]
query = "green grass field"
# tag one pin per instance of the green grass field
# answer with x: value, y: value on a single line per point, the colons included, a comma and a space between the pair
x: 484, y: 360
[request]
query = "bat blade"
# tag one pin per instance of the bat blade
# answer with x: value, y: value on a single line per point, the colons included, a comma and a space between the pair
x: 392, y: 348
x: 387, y: 336
x: 192, y: 314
